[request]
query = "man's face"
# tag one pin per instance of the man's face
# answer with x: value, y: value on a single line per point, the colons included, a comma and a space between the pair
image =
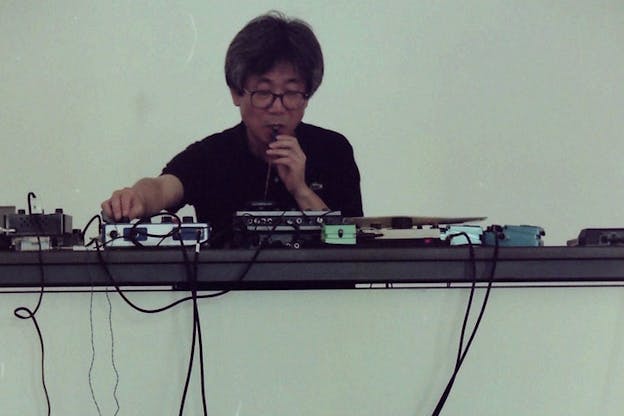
x: 261, y: 123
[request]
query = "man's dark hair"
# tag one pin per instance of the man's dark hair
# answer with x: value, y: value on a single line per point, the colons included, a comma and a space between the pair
x: 271, y: 39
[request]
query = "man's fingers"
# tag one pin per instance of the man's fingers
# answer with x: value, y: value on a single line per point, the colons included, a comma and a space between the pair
x: 120, y: 204
x: 115, y: 205
x: 126, y: 199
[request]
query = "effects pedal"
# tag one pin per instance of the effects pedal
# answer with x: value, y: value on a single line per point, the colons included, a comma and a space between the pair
x: 456, y: 234
x: 514, y: 236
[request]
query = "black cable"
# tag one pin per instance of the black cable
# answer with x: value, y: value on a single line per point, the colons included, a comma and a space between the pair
x: 459, y: 359
x: 29, y: 198
x: 104, y: 266
x: 458, y: 364
x: 188, y: 372
x: 122, y: 294
x: 23, y: 312
x: 84, y: 230
x: 192, y: 274
x: 135, y: 232
x: 197, y: 323
x: 100, y: 237
x: 31, y: 315
x: 98, y: 246
x: 201, y: 357
x: 158, y: 310
x: 472, y: 291
x: 251, y: 261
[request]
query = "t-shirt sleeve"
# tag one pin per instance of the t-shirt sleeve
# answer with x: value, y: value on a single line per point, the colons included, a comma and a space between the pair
x: 348, y: 191
x: 185, y: 166
x: 343, y: 183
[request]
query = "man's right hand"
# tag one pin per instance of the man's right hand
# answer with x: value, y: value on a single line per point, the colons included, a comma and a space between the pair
x: 146, y: 197
x: 124, y: 203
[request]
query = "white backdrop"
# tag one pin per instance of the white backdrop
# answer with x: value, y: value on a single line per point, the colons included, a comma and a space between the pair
x: 508, y: 109
x: 538, y: 351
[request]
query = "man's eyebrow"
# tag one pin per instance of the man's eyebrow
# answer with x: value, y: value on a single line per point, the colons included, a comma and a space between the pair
x: 293, y: 80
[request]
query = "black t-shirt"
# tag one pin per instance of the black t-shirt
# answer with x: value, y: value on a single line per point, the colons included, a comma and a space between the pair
x: 221, y: 176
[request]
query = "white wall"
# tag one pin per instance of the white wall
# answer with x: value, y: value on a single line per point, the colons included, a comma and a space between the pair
x: 511, y: 110
x: 539, y: 351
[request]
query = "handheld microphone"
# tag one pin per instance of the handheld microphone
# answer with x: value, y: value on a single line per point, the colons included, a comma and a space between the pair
x: 268, y: 174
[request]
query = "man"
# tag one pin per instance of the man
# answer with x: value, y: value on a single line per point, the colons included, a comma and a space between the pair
x: 272, y: 67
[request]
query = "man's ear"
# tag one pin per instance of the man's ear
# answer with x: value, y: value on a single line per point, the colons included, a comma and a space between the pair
x: 236, y: 97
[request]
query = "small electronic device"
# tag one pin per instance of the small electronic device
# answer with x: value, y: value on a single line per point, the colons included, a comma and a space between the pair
x: 343, y: 234
x: 31, y: 243
x: 294, y: 229
x: 142, y: 233
x: 39, y: 231
x: 456, y: 234
x: 23, y: 224
x: 418, y: 236
x: 600, y: 237
x: 513, y: 236
x: 4, y: 211
x: 5, y: 239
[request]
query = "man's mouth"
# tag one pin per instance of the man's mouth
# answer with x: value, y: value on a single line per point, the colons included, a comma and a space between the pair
x: 278, y: 128
x: 275, y: 130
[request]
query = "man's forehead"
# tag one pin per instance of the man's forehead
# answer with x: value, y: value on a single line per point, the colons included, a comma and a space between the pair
x: 279, y: 74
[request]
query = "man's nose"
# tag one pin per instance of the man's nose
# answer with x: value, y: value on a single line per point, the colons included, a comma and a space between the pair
x: 277, y: 106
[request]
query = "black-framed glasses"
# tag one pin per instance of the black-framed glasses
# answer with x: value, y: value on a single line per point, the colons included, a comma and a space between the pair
x: 291, y: 100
